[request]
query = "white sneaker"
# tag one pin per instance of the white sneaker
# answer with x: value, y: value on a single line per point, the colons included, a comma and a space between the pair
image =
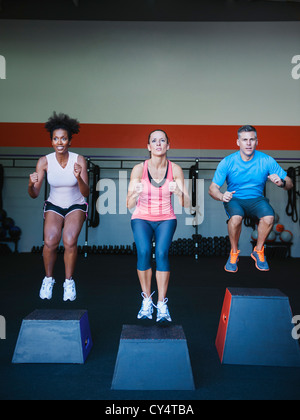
x: 47, y: 287
x: 146, y: 310
x: 163, y: 311
x: 69, y: 290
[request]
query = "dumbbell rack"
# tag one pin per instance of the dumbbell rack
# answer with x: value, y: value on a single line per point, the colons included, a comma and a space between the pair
x: 196, y: 247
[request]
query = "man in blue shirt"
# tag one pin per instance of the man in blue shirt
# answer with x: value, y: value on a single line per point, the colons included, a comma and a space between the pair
x: 246, y: 173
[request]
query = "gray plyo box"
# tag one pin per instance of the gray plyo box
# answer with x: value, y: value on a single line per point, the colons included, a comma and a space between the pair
x: 54, y: 336
x: 153, y: 358
x: 256, y: 329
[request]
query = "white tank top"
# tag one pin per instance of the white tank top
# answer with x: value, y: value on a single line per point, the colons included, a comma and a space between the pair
x: 64, y: 189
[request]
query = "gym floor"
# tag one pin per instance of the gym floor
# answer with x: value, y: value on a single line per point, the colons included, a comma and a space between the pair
x: 108, y: 288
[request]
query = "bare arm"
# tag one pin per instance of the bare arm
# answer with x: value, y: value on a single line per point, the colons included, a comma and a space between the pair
x: 178, y: 187
x: 80, y: 172
x: 135, y: 186
x: 216, y: 194
x: 37, y: 177
x: 277, y: 181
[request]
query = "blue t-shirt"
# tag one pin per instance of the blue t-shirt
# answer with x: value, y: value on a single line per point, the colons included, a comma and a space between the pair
x: 247, y: 179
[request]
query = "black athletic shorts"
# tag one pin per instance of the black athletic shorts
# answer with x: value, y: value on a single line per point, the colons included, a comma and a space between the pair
x: 64, y: 212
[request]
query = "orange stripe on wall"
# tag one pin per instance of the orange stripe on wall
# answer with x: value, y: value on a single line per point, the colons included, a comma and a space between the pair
x: 135, y: 136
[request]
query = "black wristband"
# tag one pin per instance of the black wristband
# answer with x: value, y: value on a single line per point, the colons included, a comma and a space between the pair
x: 283, y: 183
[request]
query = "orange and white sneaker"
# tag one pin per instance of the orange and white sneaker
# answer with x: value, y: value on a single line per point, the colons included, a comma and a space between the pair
x: 231, y: 265
x: 260, y: 260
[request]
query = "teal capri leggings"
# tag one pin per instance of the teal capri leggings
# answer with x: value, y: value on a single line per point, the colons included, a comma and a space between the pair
x: 143, y: 232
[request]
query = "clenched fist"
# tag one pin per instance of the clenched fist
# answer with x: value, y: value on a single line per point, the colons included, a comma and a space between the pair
x: 138, y: 188
x: 172, y: 186
x: 275, y: 179
x: 227, y: 196
x: 77, y: 170
x: 33, y: 178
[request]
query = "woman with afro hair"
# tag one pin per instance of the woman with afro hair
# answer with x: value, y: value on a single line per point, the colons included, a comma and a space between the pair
x: 65, y: 209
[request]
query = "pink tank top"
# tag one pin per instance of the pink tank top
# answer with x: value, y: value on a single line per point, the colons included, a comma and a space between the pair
x: 154, y: 203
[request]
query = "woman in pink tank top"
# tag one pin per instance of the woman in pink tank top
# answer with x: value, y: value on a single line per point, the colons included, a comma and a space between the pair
x: 65, y: 214
x: 152, y: 184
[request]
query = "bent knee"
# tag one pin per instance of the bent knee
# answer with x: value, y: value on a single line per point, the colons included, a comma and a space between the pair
x: 162, y: 261
x: 51, y: 240
x: 269, y: 220
x: 236, y: 220
x: 162, y: 255
x: 70, y: 241
x: 144, y: 254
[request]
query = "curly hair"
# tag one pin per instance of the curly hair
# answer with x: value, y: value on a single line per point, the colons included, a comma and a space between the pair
x: 63, y: 121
